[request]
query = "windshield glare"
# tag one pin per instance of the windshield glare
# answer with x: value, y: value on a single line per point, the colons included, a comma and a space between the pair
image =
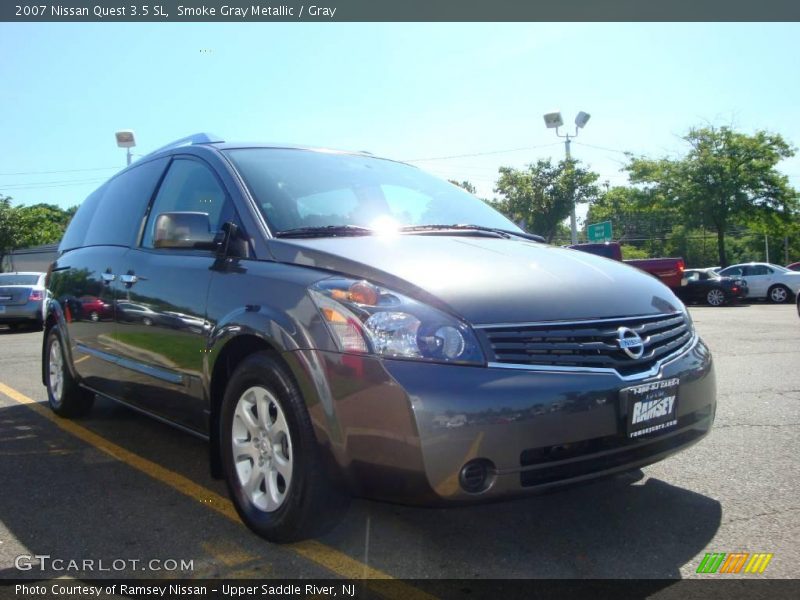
x: 304, y: 188
x: 15, y: 279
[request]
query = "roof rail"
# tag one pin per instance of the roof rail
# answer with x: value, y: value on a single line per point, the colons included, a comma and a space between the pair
x: 197, y: 138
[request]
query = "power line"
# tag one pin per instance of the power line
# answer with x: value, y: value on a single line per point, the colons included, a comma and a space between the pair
x: 49, y: 184
x: 481, y: 153
x: 600, y: 147
x: 64, y: 171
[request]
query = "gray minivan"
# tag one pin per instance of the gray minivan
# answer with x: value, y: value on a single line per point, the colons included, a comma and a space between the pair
x: 336, y: 323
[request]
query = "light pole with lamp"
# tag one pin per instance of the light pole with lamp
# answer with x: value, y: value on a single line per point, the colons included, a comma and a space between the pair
x: 126, y: 139
x: 553, y: 120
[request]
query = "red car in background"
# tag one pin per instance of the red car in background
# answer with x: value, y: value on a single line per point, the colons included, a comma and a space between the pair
x: 94, y: 309
x: 794, y: 266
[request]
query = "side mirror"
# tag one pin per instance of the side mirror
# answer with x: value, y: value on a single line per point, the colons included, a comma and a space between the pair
x: 185, y: 230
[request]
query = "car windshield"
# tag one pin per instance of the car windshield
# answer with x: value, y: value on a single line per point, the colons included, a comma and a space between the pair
x: 17, y: 279
x: 348, y: 193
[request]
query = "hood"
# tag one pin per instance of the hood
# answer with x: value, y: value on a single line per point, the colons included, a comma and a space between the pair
x: 488, y: 280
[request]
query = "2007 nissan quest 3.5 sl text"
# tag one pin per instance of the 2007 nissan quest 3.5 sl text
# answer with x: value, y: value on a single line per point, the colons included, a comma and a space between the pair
x: 335, y: 324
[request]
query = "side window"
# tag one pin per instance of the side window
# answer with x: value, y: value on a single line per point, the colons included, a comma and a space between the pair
x: 757, y: 270
x: 118, y: 217
x: 189, y: 186
x: 75, y: 235
x: 732, y: 272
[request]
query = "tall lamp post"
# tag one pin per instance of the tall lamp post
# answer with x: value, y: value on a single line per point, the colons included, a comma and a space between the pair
x: 126, y: 139
x: 553, y: 120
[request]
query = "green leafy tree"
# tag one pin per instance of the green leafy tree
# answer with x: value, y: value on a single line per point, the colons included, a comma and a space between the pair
x: 9, y: 237
x: 541, y: 196
x: 24, y: 226
x: 727, y: 178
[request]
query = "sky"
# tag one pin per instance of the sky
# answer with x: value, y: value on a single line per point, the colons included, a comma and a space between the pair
x: 459, y: 100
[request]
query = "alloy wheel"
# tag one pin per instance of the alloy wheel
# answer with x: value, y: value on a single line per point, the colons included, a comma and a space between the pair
x: 262, y: 448
x: 715, y: 297
x: 778, y: 295
x: 55, y: 371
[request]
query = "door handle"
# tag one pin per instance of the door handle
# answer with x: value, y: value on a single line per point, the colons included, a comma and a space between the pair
x: 108, y: 277
x: 128, y: 278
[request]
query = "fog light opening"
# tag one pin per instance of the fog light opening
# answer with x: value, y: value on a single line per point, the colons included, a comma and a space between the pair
x: 477, y: 475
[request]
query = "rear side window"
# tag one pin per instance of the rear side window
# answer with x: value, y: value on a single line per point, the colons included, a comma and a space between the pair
x: 118, y: 217
x: 112, y: 214
x: 757, y: 270
x: 189, y: 186
x: 76, y: 232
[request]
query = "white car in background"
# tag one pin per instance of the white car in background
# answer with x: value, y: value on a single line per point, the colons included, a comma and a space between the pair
x: 22, y: 298
x: 765, y: 280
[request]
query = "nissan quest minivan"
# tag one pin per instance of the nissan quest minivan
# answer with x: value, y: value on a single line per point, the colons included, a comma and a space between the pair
x: 335, y: 324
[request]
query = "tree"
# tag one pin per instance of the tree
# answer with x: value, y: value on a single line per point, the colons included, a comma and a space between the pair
x: 466, y: 185
x: 23, y: 226
x: 8, y: 229
x: 541, y: 196
x: 726, y: 178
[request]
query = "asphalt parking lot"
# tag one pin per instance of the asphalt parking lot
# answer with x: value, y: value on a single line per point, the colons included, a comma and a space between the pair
x: 116, y: 485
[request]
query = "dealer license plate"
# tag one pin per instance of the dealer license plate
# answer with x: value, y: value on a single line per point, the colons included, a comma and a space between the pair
x: 652, y: 407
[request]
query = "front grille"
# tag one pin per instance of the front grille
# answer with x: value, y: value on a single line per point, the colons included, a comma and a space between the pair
x: 589, y: 344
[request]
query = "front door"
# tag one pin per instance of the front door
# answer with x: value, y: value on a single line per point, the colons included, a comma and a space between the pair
x: 161, y: 309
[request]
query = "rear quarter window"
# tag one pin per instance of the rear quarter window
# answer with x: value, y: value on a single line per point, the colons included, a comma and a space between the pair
x: 119, y: 215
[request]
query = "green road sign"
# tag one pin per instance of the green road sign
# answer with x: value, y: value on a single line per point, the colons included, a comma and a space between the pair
x: 599, y: 232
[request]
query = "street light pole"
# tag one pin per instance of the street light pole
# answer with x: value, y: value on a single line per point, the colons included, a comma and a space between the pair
x: 554, y: 121
x: 126, y: 139
x: 573, y: 219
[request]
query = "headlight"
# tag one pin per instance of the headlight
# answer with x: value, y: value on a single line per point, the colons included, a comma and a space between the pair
x: 368, y: 319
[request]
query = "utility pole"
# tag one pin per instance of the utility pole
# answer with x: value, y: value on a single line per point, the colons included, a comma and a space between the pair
x: 554, y: 121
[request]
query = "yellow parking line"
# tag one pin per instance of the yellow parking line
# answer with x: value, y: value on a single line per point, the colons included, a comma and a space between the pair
x: 335, y: 561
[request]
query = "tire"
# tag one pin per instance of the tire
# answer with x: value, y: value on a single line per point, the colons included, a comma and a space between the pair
x: 779, y: 294
x: 147, y: 321
x: 93, y: 316
x: 715, y: 297
x: 275, y: 476
x: 65, y: 396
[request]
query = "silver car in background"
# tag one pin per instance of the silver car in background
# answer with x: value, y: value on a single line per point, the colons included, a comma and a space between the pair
x: 21, y: 299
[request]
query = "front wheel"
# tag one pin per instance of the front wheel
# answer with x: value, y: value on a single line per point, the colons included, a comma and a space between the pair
x: 715, y: 297
x: 66, y: 397
x: 270, y: 455
x: 779, y: 294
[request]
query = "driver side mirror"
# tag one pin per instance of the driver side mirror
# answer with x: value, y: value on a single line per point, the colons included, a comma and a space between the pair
x: 185, y: 230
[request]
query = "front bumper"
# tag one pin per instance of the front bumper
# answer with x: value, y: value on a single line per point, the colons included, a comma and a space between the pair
x: 403, y: 430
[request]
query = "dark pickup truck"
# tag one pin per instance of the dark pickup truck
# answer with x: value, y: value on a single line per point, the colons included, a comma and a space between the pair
x: 668, y: 270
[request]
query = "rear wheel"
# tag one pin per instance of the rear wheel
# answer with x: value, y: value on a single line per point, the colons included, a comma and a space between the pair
x: 779, y: 294
x: 66, y: 397
x: 715, y: 297
x: 270, y: 456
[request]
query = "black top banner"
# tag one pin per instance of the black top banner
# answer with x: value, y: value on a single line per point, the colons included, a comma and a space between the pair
x: 397, y: 10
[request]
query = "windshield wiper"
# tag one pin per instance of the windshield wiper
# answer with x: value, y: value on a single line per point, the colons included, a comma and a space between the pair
x: 324, y: 231
x: 506, y: 233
